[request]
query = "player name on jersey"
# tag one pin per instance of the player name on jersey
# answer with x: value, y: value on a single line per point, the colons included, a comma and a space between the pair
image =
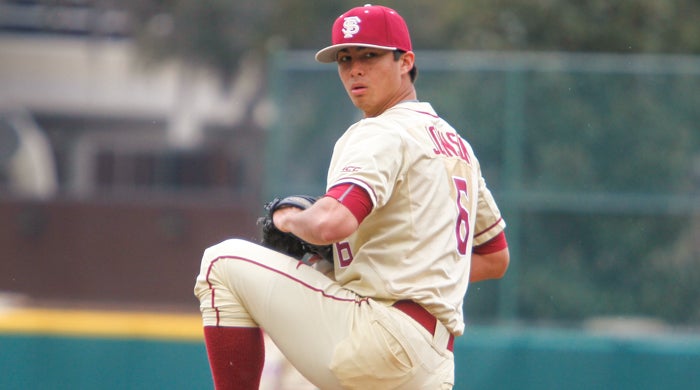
x: 448, y: 144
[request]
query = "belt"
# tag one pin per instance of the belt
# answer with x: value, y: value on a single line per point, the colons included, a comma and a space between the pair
x: 423, y: 317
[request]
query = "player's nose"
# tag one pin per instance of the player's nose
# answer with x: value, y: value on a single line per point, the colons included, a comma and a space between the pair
x: 356, y: 69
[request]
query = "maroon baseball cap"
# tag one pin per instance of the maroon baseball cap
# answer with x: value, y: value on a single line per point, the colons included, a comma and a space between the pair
x: 369, y: 26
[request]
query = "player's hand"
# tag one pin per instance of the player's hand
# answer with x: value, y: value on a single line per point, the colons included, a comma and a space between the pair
x: 276, y: 233
x: 281, y: 217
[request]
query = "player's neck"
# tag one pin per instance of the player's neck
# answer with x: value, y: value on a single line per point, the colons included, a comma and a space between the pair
x: 409, y: 94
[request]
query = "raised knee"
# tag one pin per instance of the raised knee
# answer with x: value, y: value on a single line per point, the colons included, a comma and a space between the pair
x: 233, y: 246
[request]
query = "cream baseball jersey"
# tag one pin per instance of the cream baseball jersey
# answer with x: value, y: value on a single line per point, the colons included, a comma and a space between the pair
x: 430, y: 206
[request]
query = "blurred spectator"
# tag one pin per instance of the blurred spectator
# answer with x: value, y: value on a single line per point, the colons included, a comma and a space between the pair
x: 278, y: 373
x: 27, y: 166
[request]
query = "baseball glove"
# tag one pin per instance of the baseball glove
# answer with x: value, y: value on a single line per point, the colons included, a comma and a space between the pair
x: 288, y: 243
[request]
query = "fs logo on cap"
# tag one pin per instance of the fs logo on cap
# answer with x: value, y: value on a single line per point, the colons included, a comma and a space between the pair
x: 351, y: 26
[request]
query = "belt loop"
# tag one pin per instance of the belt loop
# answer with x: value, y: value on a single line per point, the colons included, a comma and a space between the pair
x: 442, y: 336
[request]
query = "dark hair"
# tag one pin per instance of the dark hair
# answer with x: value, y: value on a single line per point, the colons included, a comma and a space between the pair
x: 413, y: 72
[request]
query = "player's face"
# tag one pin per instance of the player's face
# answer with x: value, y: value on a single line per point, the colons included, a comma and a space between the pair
x: 374, y: 79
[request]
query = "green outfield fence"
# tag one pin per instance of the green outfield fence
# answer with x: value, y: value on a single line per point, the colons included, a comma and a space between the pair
x: 72, y: 363
x: 488, y: 358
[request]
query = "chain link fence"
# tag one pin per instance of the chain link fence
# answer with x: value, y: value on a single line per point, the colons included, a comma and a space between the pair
x: 593, y: 158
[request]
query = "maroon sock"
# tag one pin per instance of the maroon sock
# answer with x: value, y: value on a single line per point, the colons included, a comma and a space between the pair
x: 236, y: 356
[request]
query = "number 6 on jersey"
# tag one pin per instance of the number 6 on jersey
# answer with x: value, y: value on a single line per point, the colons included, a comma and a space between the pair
x: 462, y: 227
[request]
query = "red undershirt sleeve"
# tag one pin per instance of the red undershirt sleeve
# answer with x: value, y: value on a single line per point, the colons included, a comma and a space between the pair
x: 353, y: 197
x: 493, y: 245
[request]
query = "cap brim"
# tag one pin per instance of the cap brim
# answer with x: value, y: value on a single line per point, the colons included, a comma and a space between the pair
x: 330, y: 53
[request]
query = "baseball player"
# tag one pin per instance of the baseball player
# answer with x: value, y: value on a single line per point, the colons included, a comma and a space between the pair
x: 411, y: 223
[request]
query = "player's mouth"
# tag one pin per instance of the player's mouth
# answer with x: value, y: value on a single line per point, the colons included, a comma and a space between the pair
x: 357, y: 89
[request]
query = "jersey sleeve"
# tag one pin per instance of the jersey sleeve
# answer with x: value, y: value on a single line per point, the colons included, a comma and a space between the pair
x: 368, y: 156
x: 493, y: 245
x: 489, y: 222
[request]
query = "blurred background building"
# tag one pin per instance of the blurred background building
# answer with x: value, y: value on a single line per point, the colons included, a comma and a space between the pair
x: 111, y: 163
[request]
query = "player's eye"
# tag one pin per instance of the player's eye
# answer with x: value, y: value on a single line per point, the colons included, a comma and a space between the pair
x: 343, y: 58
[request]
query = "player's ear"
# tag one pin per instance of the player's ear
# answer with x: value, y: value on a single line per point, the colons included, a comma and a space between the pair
x: 407, y: 60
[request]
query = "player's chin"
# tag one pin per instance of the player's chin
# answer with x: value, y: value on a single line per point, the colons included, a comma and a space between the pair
x: 353, y: 97
x: 356, y: 103
x: 360, y: 102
